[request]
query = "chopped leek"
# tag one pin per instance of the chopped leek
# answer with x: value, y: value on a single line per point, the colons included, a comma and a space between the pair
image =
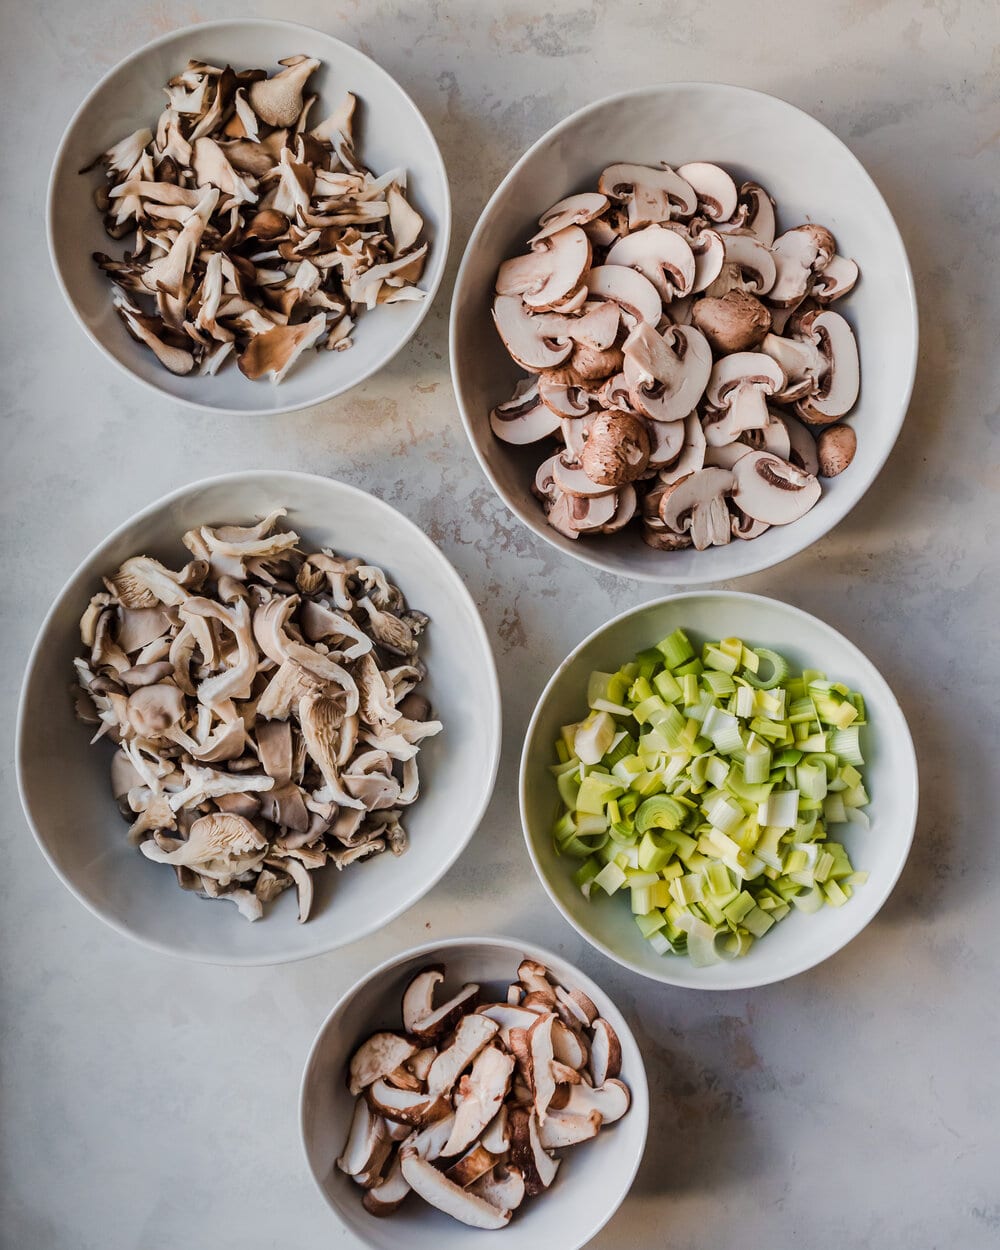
x: 702, y: 783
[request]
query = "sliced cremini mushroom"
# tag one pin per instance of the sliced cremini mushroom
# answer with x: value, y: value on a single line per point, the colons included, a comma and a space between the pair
x: 666, y: 373
x: 663, y: 256
x: 631, y: 290
x: 524, y: 418
x: 714, y: 188
x: 652, y: 195
x: 549, y: 272
x: 836, y: 390
x: 772, y: 490
x: 696, y: 505
x: 738, y: 390
x: 574, y: 210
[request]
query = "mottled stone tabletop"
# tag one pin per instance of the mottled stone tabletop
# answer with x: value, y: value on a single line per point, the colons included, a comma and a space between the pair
x: 149, y: 1104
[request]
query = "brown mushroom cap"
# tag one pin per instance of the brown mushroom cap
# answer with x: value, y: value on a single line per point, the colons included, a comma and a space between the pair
x: 617, y: 449
x: 835, y: 449
x: 736, y: 322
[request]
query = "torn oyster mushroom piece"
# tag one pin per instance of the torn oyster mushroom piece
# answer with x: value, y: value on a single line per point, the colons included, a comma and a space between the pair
x: 259, y: 709
x: 256, y: 237
x: 472, y: 1123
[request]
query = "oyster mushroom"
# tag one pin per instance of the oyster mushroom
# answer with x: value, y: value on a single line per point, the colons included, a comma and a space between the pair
x: 772, y: 490
x: 278, y: 100
x: 696, y: 505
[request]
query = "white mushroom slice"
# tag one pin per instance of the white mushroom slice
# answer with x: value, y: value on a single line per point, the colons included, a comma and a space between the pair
x: 472, y: 1034
x: 503, y: 1187
x: 800, y: 360
x: 584, y: 514
x: 544, y: 485
x: 837, y: 390
x: 381, y: 1054
x: 385, y: 1197
x: 696, y: 505
x: 480, y: 1096
x: 543, y: 1081
x: 626, y: 506
x: 726, y: 455
x: 652, y: 195
x: 691, y: 457
x: 771, y: 490
x: 434, y: 1187
x: 709, y: 254
x: 549, y: 272
x: 524, y: 418
x: 615, y: 394
x: 666, y: 441
x: 525, y: 336
x: 739, y: 387
x: 638, y: 299
x: 611, y: 1100
x: 746, y: 527
x: 605, y: 1052
x: 563, y: 397
x: 667, y: 373
x: 368, y: 1143
x: 837, y: 277
x: 574, y: 210
x: 798, y: 255
x: 405, y: 1106
x: 714, y: 188
x: 802, y: 446
x: 564, y: 1128
x: 663, y: 256
x: 429, y: 1142
x: 749, y: 266
x: 754, y: 213
x: 528, y: 1154
x: 572, y: 480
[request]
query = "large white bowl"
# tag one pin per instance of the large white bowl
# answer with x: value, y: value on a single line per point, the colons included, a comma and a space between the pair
x: 391, y: 133
x: 799, y: 941
x: 64, y: 781
x: 813, y: 177
x: 594, y: 1177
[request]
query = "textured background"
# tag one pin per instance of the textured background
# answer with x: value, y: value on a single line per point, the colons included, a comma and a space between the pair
x: 150, y: 1104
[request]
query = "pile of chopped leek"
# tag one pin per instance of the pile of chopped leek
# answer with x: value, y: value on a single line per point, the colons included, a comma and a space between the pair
x: 705, y: 786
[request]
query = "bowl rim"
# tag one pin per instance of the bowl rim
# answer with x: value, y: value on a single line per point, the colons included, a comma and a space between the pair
x: 638, y: 1084
x: 494, y: 728
x: 909, y: 792
x: 441, y: 247
x: 531, y: 517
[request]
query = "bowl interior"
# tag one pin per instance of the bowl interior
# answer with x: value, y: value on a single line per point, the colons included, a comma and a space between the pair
x: 391, y: 133
x: 594, y: 1177
x: 799, y: 941
x: 812, y: 176
x: 65, y: 781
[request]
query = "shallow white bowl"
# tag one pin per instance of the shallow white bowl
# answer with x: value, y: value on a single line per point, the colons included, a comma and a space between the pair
x: 799, y: 941
x: 594, y: 1177
x: 813, y: 177
x: 64, y: 781
x: 391, y: 132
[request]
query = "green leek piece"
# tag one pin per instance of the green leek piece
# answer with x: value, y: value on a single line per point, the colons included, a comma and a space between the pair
x: 705, y: 780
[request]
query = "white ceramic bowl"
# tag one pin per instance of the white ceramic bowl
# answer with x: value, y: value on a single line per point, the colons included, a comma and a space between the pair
x: 813, y: 177
x: 594, y: 1177
x: 64, y: 781
x: 799, y: 941
x: 391, y: 132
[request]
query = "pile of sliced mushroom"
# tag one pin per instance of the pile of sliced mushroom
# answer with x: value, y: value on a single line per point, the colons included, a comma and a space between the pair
x: 467, y: 1103
x: 257, y: 234
x: 264, y: 706
x: 684, y: 358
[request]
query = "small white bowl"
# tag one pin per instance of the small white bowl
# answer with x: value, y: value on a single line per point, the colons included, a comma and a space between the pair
x: 799, y: 941
x: 594, y: 1177
x: 812, y: 176
x: 64, y: 781
x: 391, y: 133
